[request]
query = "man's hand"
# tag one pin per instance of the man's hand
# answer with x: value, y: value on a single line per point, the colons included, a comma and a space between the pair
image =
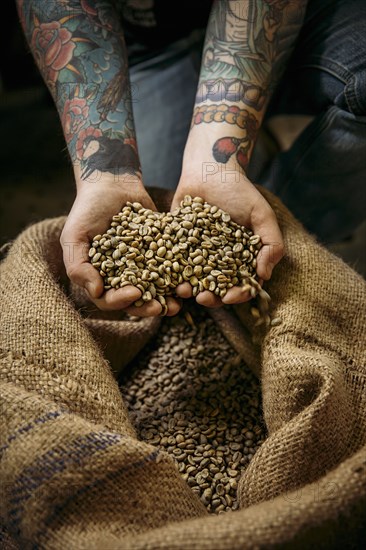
x: 245, y: 51
x: 91, y: 214
x: 240, y: 198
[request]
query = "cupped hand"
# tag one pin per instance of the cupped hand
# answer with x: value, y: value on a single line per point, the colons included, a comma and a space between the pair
x: 241, y: 199
x: 91, y: 214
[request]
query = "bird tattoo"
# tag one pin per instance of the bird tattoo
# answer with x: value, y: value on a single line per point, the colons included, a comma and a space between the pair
x: 108, y: 155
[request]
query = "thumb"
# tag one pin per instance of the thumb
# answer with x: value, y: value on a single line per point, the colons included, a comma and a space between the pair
x: 78, y: 267
x: 266, y: 226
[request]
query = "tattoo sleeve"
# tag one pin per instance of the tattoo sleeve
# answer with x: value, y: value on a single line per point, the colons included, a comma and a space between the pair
x: 80, y: 51
x: 247, y: 45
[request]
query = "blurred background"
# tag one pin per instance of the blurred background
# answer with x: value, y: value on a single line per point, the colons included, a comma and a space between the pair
x: 36, y: 178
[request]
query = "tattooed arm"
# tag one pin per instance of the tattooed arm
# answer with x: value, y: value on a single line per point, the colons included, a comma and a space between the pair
x: 246, y: 48
x: 79, y: 48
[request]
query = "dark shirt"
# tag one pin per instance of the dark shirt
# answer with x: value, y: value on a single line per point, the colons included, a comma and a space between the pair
x: 151, y: 25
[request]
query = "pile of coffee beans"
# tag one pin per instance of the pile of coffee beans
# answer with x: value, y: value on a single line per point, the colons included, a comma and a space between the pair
x: 191, y: 395
x: 197, y: 243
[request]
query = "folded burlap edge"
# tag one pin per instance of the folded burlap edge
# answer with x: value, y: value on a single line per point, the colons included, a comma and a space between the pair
x: 343, y: 371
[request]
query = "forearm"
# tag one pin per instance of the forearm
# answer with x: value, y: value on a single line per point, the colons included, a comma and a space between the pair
x: 248, y: 43
x: 81, y: 54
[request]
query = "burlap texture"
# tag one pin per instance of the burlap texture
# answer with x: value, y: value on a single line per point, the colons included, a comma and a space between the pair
x: 74, y: 475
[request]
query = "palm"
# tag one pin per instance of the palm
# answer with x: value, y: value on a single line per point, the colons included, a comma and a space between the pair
x: 247, y: 207
x: 91, y: 214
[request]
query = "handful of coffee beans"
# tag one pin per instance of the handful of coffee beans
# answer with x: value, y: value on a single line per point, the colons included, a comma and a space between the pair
x: 197, y: 243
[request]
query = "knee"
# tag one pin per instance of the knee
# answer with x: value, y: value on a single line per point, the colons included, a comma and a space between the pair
x: 325, y: 87
x: 353, y: 97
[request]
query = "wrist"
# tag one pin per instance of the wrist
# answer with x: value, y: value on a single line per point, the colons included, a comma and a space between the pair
x: 109, y: 189
x: 220, y: 154
x: 223, y: 134
x: 207, y: 171
x: 98, y: 181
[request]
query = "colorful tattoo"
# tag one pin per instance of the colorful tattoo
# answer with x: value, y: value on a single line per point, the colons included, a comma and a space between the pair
x: 225, y: 147
x: 247, y: 42
x: 79, y: 48
x: 245, y: 45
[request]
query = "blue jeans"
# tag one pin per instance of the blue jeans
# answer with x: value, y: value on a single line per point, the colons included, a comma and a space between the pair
x: 163, y: 91
x: 321, y: 178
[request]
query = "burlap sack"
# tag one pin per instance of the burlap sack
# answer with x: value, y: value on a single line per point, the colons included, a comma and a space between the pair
x: 73, y: 474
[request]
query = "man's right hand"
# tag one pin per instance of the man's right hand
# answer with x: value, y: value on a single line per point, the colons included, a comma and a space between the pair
x: 92, y: 211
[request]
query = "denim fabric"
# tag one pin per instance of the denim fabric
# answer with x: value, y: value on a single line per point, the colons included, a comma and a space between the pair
x: 163, y: 94
x: 328, y: 65
x: 321, y: 178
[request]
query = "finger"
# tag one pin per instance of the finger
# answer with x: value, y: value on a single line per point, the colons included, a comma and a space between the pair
x: 208, y: 299
x: 268, y: 257
x: 273, y: 247
x: 178, y: 197
x: 152, y: 308
x: 236, y: 295
x: 86, y: 276
x: 184, y: 290
x: 78, y: 268
x: 116, y: 299
x: 174, y: 306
